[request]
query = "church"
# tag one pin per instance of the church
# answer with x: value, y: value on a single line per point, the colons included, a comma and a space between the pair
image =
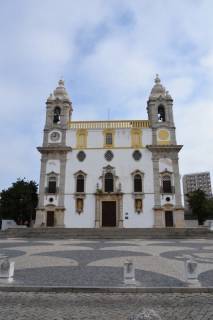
x: 117, y: 173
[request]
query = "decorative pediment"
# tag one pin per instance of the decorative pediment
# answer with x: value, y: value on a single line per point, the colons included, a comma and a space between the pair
x: 80, y: 172
x: 108, y: 168
x: 52, y: 173
x: 166, y: 171
x: 137, y: 172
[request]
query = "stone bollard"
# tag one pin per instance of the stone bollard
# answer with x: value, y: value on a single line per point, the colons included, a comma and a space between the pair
x: 6, y: 268
x: 147, y: 314
x: 191, y: 269
x: 210, y: 225
x: 129, y: 273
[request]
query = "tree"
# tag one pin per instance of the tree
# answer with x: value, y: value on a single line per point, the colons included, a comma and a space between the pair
x: 19, y: 201
x: 210, y: 208
x: 199, y: 204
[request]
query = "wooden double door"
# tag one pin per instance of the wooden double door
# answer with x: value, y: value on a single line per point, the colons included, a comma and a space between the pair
x: 108, y: 213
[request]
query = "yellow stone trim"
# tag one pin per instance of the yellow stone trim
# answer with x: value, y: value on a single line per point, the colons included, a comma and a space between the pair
x: 136, y: 138
x: 112, y: 132
x: 99, y: 148
x: 81, y: 138
x: 114, y: 124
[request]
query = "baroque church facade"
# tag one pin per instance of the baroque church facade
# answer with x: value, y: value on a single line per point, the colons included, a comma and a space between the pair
x: 122, y: 174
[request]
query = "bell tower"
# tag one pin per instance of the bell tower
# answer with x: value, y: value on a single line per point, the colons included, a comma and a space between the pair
x: 160, y: 114
x: 58, y: 113
x: 168, y: 210
x: 54, y: 150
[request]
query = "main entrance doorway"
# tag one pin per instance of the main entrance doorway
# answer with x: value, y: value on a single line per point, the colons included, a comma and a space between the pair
x: 50, y: 218
x: 169, y: 219
x: 108, y: 213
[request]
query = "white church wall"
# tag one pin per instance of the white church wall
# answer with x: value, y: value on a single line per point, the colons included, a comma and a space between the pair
x: 146, y: 136
x: 124, y: 165
x: 144, y: 219
x: 85, y: 219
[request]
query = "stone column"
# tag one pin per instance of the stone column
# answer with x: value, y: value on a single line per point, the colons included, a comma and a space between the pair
x: 177, y: 183
x: 156, y: 182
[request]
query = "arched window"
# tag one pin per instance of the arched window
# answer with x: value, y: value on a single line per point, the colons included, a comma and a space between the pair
x: 80, y: 183
x: 161, y: 114
x: 52, y: 184
x: 166, y: 184
x: 108, y: 182
x: 137, y: 183
x: 57, y: 115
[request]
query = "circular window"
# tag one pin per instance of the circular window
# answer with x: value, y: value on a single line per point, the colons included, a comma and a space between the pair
x: 81, y: 155
x: 51, y: 199
x: 137, y: 155
x: 167, y: 199
x: 108, y: 155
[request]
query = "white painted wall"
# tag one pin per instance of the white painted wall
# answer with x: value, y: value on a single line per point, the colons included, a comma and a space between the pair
x: 124, y: 165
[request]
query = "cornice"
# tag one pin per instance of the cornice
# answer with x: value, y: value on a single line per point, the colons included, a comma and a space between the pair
x: 54, y: 149
x: 163, y: 148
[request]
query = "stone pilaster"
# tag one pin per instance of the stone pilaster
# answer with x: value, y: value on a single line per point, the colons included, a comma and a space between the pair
x: 177, y: 183
x: 159, y: 218
x: 63, y: 160
x: 179, y: 218
x: 40, y: 218
x: 59, y: 218
x: 42, y: 181
x: 156, y: 182
x: 97, y: 212
x: 120, y: 212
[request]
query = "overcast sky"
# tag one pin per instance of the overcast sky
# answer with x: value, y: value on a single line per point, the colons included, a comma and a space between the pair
x: 108, y: 52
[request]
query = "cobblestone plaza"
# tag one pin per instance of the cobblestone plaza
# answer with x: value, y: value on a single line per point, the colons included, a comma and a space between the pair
x: 99, y: 263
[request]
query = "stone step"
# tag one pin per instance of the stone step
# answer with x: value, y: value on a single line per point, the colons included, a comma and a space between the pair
x: 107, y: 233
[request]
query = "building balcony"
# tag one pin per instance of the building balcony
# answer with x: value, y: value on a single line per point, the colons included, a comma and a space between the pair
x: 51, y: 191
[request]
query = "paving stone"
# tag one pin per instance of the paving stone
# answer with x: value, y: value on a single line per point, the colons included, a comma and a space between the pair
x: 100, y: 262
x: 64, y: 306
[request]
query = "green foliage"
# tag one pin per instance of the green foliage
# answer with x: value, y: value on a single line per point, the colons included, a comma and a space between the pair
x: 19, y: 201
x: 199, y: 204
x: 210, y: 208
